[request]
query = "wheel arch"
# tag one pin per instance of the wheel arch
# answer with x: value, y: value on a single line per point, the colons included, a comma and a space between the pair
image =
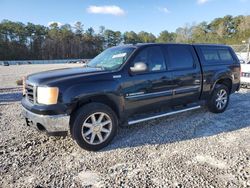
x: 110, y: 100
x: 225, y: 81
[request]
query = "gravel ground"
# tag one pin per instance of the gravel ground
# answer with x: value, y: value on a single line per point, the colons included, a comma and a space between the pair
x: 10, y: 74
x: 193, y: 149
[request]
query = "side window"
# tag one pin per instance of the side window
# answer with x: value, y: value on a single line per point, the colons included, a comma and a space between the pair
x: 153, y: 57
x: 210, y: 54
x: 215, y: 55
x: 179, y: 57
x: 141, y: 56
x: 225, y: 55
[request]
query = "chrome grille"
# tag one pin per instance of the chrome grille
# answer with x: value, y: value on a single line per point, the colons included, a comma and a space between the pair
x: 30, y: 92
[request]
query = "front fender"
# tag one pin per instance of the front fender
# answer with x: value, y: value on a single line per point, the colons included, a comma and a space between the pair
x: 106, y: 92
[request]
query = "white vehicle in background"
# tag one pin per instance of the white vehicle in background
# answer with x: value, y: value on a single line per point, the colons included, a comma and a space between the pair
x: 242, y: 61
x: 245, y: 75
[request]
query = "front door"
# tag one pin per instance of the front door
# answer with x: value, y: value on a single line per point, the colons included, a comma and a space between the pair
x: 152, y: 89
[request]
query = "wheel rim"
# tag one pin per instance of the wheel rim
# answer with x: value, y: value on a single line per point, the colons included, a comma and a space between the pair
x: 96, y: 128
x: 221, y: 100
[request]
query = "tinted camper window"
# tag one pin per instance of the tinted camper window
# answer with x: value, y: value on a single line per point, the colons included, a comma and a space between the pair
x: 215, y: 55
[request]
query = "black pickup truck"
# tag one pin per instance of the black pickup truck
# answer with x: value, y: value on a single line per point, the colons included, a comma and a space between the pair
x: 129, y: 84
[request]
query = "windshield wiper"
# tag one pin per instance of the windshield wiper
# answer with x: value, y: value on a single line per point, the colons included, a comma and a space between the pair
x: 98, y: 67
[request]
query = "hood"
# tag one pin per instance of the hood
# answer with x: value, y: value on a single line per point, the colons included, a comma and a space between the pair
x: 46, y: 77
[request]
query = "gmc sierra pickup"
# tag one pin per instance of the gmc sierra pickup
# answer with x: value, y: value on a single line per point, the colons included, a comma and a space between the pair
x: 129, y: 84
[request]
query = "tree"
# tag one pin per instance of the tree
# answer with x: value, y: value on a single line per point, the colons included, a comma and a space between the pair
x: 130, y: 37
x: 101, y: 30
x: 184, y: 34
x: 14, y: 40
x: 30, y: 41
x: 36, y: 35
x: 146, y: 37
x: 78, y: 28
x: 112, y: 38
x: 165, y: 37
x: 200, y: 33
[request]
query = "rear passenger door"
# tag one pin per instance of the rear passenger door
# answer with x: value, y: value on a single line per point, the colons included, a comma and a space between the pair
x: 184, y: 65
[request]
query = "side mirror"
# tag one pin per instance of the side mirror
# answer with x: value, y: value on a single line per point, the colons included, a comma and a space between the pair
x: 139, y: 67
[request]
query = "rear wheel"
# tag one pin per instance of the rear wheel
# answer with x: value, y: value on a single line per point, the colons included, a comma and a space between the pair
x: 219, y: 99
x: 94, y: 126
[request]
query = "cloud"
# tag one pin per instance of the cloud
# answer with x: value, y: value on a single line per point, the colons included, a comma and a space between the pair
x: 113, y: 10
x: 202, y: 1
x: 164, y: 9
x: 58, y: 23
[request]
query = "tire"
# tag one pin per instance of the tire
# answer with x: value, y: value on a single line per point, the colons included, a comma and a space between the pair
x: 94, y: 126
x: 219, y: 99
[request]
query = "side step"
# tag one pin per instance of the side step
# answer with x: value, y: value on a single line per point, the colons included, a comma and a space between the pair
x: 131, y: 122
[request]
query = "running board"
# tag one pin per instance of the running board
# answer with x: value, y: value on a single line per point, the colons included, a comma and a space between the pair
x: 163, y: 115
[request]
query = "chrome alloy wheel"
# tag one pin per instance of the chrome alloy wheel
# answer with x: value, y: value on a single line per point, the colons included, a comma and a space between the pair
x: 221, y: 100
x: 96, y: 128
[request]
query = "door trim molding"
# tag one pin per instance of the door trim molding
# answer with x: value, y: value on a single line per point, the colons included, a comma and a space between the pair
x: 164, y: 93
x: 169, y: 92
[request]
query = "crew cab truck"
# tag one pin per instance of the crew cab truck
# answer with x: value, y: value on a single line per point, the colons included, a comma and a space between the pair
x: 129, y: 84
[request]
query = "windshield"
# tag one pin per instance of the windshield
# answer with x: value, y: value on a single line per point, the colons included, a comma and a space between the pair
x: 111, y: 58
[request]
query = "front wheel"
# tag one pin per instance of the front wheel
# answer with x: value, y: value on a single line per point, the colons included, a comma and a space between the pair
x: 219, y: 99
x: 94, y: 126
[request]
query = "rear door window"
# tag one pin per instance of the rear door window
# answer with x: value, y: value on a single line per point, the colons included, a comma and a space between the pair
x: 179, y: 57
x: 216, y: 55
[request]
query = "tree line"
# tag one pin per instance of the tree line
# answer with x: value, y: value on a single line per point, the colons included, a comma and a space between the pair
x: 19, y: 41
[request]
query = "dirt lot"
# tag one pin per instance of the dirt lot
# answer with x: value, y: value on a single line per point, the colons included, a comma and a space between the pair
x: 9, y: 74
x: 194, y: 149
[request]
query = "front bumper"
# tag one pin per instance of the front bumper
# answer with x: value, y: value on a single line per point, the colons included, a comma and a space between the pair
x: 52, y: 124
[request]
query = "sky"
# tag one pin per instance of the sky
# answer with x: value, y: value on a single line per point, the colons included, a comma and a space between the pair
x: 123, y: 15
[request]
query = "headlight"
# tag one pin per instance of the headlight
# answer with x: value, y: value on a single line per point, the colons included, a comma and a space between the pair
x: 47, y: 95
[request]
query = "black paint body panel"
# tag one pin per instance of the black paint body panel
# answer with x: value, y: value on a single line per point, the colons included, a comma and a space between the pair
x: 132, y: 94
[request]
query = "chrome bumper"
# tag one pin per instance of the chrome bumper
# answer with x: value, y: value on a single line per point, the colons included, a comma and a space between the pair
x: 244, y: 84
x: 49, y: 123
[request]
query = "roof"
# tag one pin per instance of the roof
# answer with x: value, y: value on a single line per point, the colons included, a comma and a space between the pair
x: 137, y: 45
